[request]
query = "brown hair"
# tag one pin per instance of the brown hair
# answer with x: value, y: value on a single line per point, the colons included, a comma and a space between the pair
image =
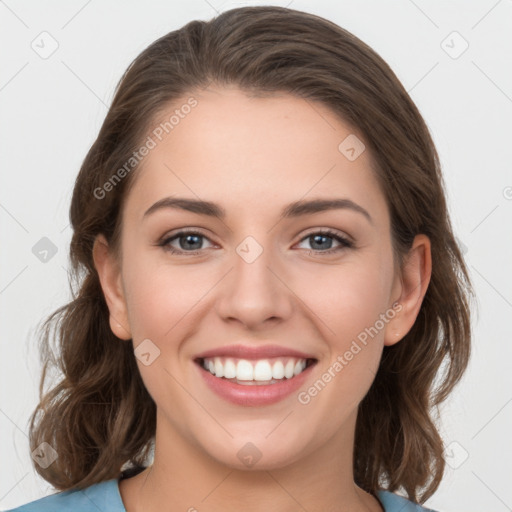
x: 100, y: 417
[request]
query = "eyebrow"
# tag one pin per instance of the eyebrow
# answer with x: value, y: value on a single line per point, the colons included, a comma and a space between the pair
x: 295, y: 209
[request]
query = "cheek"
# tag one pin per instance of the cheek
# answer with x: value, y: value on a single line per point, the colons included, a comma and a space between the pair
x: 161, y: 302
x: 343, y: 300
x: 159, y: 295
x: 349, y: 310
x: 351, y: 306
x: 350, y: 300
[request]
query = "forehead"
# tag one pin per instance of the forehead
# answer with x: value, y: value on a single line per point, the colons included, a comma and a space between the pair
x: 253, y: 152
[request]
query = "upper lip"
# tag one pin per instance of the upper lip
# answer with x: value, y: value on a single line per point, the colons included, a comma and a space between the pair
x: 251, y: 352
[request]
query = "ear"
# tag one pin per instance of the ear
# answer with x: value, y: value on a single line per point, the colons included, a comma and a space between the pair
x: 110, y: 278
x: 409, y: 289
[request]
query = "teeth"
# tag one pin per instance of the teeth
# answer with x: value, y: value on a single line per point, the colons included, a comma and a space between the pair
x: 219, y: 369
x: 262, y: 370
x: 278, y: 370
x: 298, y: 368
x: 288, y: 369
x: 229, y: 369
x: 244, y: 370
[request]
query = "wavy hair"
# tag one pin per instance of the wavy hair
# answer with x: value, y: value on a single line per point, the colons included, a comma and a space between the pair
x: 99, y: 416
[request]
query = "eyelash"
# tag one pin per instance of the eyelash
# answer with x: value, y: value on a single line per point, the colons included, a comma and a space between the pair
x: 345, y: 242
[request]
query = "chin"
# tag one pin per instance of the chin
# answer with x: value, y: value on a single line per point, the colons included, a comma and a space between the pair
x: 257, y: 453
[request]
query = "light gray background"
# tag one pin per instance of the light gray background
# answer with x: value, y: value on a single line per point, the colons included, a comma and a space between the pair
x: 52, y: 109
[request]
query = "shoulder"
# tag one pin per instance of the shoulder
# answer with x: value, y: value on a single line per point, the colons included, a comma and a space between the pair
x: 395, y: 503
x: 100, y: 496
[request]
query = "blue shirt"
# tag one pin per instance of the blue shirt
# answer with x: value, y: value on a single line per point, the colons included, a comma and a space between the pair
x: 105, y: 496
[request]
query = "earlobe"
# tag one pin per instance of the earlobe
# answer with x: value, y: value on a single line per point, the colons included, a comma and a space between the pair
x: 110, y: 280
x: 413, y: 280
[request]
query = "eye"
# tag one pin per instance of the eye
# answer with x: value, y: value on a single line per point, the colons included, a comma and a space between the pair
x: 189, y: 242
x: 318, y: 238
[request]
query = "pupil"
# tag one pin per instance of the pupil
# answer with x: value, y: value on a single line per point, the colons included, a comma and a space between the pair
x: 315, y: 237
x: 188, y: 237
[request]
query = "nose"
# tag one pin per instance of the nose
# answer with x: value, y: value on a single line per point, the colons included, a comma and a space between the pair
x: 255, y: 291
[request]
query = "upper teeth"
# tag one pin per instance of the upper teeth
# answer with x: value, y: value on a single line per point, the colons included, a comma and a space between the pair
x: 259, y: 370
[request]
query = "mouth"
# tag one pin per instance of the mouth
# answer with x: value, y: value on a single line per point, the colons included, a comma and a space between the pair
x: 254, y: 382
x: 259, y: 372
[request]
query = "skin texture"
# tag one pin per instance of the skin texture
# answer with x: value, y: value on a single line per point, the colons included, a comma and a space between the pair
x: 253, y: 156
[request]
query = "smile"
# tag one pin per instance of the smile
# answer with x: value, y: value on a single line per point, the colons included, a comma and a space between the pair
x: 255, y: 382
x: 255, y: 372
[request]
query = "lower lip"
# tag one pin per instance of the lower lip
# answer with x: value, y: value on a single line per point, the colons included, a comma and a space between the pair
x: 254, y: 395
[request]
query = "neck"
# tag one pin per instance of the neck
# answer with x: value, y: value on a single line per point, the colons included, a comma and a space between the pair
x: 184, y: 476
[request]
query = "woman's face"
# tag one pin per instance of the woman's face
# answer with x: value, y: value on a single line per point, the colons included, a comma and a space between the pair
x: 253, y: 278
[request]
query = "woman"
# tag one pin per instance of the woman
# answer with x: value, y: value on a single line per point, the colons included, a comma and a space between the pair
x: 285, y: 359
